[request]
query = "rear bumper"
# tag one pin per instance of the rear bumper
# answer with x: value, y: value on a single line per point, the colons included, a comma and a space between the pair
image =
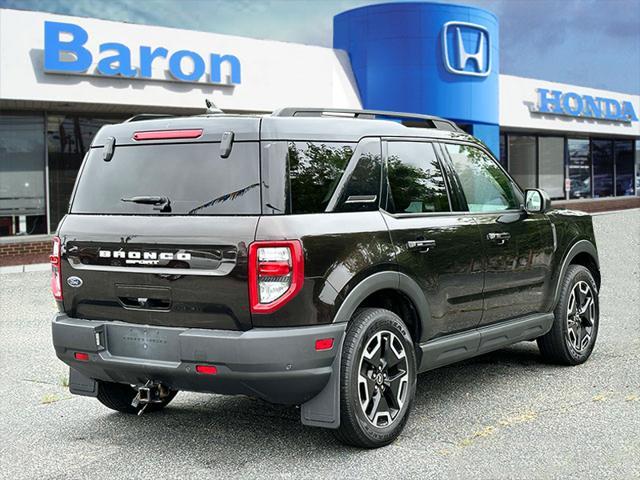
x: 279, y: 365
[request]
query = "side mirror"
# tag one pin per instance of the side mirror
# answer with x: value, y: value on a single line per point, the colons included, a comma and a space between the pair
x: 536, y: 201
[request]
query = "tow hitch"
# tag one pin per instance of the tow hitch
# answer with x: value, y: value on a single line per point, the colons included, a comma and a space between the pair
x: 150, y: 393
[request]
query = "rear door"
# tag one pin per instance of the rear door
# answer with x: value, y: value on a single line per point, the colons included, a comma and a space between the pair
x: 439, y: 249
x: 518, y: 245
x: 181, y: 261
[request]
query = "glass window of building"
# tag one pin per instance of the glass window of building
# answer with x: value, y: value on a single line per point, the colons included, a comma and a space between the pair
x: 579, y: 168
x: 22, y: 175
x: 503, y: 151
x: 551, y: 165
x: 637, y: 167
x: 69, y: 138
x: 602, y: 157
x: 624, y: 161
x: 522, y: 160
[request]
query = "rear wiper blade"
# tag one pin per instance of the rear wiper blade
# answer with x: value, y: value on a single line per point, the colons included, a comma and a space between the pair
x: 160, y: 203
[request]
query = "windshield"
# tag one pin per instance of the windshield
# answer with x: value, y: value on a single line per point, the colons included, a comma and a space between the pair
x: 171, y: 179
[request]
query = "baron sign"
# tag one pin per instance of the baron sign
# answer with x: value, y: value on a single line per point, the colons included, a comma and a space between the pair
x: 65, y: 51
x: 572, y: 104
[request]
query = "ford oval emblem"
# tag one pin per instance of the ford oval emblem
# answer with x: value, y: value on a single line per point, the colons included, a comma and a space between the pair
x: 74, y: 282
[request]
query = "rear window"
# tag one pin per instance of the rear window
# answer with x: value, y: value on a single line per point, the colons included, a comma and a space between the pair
x: 193, y: 177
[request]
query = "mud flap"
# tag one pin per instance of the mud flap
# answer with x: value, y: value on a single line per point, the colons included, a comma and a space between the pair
x: 81, y: 385
x: 323, y: 410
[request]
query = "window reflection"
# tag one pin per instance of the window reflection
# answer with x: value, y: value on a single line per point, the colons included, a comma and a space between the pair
x: 623, y: 153
x: 485, y: 186
x: 68, y: 138
x: 579, y: 168
x: 22, y: 175
x: 415, y: 179
x: 315, y: 170
x: 602, y: 156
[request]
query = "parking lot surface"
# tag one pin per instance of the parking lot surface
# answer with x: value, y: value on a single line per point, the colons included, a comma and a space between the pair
x: 502, y: 415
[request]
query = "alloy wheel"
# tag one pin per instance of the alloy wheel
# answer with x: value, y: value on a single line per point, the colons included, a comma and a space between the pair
x: 581, y: 315
x: 383, y: 378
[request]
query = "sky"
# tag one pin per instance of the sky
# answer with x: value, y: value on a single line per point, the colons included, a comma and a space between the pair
x: 594, y: 43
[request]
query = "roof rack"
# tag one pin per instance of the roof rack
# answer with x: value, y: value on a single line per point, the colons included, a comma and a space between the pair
x: 147, y: 116
x: 412, y: 119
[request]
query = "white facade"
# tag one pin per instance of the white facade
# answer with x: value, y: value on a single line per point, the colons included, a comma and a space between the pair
x: 274, y: 74
x: 519, y: 95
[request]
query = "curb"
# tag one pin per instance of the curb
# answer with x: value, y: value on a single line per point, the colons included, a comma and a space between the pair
x: 34, y: 267
x: 610, y: 212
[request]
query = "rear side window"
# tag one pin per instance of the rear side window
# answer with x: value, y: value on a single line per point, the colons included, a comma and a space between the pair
x: 416, y: 182
x: 359, y: 186
x: 192, y: 176
x: 314, y: 172
x: 485, y: 185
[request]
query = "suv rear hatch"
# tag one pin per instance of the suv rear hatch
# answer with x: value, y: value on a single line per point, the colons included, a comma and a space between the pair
x: 160, y: 223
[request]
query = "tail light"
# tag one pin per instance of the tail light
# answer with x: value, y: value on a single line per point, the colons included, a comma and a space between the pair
x: 56, y: 276
x: 276, y: 274
x: 167, y: 134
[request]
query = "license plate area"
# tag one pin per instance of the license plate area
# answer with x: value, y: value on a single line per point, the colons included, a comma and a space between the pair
x: 145, y: 342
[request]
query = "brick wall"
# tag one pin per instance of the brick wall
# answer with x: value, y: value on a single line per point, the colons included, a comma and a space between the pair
x: 21, y: 253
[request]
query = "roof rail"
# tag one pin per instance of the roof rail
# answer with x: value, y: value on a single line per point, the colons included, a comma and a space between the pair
x: 147, y: 116
x: 427, y: 121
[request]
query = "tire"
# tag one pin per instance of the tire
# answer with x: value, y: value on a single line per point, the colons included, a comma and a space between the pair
x: 563, y: 344
x: 361, y: 423
x: 118, y: 397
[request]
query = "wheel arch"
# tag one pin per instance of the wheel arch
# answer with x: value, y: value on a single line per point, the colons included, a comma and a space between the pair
x: 393, y: 287
x: 394, y: 291
x: 584, y: 253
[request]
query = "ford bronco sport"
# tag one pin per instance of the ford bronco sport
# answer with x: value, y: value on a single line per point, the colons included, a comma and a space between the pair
x: 311, y: 257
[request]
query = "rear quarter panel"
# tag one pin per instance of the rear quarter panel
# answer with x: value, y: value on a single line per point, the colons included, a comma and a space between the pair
x: 571, y: 227
x: 340, y: 249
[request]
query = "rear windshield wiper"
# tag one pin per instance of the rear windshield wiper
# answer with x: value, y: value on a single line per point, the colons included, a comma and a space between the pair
x: 159, y: 203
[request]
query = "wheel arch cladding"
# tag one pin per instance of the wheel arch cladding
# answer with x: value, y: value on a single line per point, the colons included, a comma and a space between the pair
x: 379, y: 289
x: 587, y: 260
x: 393, y: 291
x: 584, y: 253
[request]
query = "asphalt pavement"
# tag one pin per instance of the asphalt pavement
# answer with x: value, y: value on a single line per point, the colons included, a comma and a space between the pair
x: 502, y: 415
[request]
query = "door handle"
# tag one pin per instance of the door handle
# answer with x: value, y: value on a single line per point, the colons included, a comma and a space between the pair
x: 422, y: 245
x: 499, y: 237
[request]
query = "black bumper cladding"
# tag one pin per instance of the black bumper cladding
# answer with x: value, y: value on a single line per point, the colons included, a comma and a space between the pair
x: 280, y: 365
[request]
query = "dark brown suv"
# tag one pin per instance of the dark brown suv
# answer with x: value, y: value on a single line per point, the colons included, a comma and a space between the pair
x: 320, y: 258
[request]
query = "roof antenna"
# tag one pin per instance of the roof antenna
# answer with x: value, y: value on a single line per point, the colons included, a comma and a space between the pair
x: 211, y: 107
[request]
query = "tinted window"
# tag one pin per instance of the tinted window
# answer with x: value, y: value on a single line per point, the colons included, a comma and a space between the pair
x: 22, y: 174
x: 486, y: 187
x: 522, y: 160
x: 359, y: 188
x: 602, y: 155
x: 68, y: 138
x: 314, y: 171
x: 551, y: 160
x: 624, y: 167
x: 579, y: 168
x: 416, y: 183
x: 194, y: 177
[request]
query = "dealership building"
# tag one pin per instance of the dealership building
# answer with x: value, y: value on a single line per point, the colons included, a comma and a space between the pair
x: 62, y: 78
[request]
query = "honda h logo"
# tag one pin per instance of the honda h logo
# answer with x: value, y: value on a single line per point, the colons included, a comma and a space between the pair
x: 466, y: 48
